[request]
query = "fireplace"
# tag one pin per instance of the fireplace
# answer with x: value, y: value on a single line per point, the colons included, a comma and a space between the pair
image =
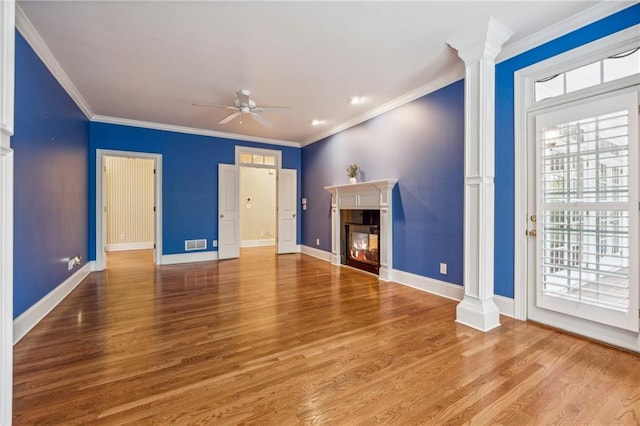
x: 361, y: 242
x: 362, y: 226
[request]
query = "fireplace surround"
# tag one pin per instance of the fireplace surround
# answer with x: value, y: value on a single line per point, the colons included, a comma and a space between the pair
x: 364, y: 196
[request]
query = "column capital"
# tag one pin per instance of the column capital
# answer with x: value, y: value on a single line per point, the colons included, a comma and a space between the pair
x: 484, y: 41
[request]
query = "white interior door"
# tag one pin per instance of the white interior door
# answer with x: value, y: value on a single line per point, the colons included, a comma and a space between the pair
x: 287, y: 211
x: 586, y: 214
x: 228, y: 212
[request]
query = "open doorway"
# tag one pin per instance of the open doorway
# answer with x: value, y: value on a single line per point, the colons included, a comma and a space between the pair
x: 257, y: 207
x: 128, y: 205
x: 232, y: 203
x: 129, y: 184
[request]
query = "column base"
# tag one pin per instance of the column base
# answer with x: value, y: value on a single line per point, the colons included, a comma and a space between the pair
x: 482, y: 315
x: 385, y: 274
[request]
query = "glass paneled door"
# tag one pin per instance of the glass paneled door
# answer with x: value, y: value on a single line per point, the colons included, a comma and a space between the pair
x: 587, y: 210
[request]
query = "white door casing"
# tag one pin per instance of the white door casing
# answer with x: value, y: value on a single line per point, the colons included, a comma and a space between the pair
x: 228, y: 211
x: 287, y: 211
x: 524, y: 105
x: 101, y: 190
x: 7, y: 73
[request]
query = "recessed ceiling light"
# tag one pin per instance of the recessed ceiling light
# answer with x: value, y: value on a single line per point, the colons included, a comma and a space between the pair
x: 356, y: 100
x: 316, y: 122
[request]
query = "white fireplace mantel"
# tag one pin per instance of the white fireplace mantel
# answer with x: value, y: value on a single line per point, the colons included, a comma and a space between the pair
x: 374, y: 195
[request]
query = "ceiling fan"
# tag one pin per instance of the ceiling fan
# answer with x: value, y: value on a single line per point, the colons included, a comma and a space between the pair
x: 243, y: 105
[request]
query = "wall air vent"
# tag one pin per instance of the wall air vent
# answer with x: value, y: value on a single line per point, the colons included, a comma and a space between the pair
x: 195, y: 245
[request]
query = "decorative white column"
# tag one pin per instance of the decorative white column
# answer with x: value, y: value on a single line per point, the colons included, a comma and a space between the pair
x: 478, y: 48
x: 7, y: 72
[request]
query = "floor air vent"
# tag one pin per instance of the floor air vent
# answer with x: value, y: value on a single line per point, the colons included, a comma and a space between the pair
x: 195, y: 245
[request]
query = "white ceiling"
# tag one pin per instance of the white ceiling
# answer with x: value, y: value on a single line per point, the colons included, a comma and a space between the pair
x: 149, y: 61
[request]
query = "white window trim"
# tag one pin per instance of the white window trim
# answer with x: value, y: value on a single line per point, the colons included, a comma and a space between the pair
x: 524, y: 102
x: 258, y: 151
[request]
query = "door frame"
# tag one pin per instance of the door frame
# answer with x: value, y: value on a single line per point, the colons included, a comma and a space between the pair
x: 241, y: 149
x: 101, y: 226
x: 524, y: 104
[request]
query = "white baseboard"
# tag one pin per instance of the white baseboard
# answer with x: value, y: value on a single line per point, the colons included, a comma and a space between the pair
x: 320, y: 254
x: 258, y: 243
x: 144, y: 245
x: 32, y: 316
x: 448, y: 290
x: 430, y: 285
x: 505, y: 304
x: 201, y: 256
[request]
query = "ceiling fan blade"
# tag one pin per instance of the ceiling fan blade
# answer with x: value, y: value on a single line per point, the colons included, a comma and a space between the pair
x: 243, y: 97
x: 213, y: 106
x: 260, y: 119
x: 229, y: 117
x: 275, y: 107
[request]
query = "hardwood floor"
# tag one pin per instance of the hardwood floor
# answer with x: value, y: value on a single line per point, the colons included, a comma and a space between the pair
x: 280, y: 340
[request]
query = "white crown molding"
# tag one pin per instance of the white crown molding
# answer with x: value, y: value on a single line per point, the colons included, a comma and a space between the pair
x: 190, y: 130
x: 39, y: 46
x: 579, y: 20
x: 451, y: 77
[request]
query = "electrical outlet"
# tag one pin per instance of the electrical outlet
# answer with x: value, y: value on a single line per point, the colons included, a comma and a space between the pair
x: 215, y: 243
x: 443, y: 268
x: 317, y: 241
x: 71, y: 264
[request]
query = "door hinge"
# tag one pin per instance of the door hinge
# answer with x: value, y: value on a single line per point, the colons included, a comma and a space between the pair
x: 154, y: 208
x: 154, y: 171
x: 154, y: 246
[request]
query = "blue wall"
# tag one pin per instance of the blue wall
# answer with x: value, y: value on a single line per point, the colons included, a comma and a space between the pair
x: 422, y: 145
x: 50, y: 143
x: 189, y: 178
x: 504, y: 218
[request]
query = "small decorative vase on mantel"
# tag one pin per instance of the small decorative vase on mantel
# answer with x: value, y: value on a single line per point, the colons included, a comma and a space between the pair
x: 352, y: 172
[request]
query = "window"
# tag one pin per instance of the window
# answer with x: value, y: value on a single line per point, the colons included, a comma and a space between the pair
x: 612, y: 68
x: 257, y: 157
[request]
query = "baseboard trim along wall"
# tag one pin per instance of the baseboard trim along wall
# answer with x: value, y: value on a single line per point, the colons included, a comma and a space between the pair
x: 144, y: 245
x: 201, y: 256
x: 32, y: 316
x: 258, y: 243
x: 320, y: 254
x: 430, y: 285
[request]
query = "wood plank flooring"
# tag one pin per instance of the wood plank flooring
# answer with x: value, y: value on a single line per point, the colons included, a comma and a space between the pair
x: 287, y: 340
